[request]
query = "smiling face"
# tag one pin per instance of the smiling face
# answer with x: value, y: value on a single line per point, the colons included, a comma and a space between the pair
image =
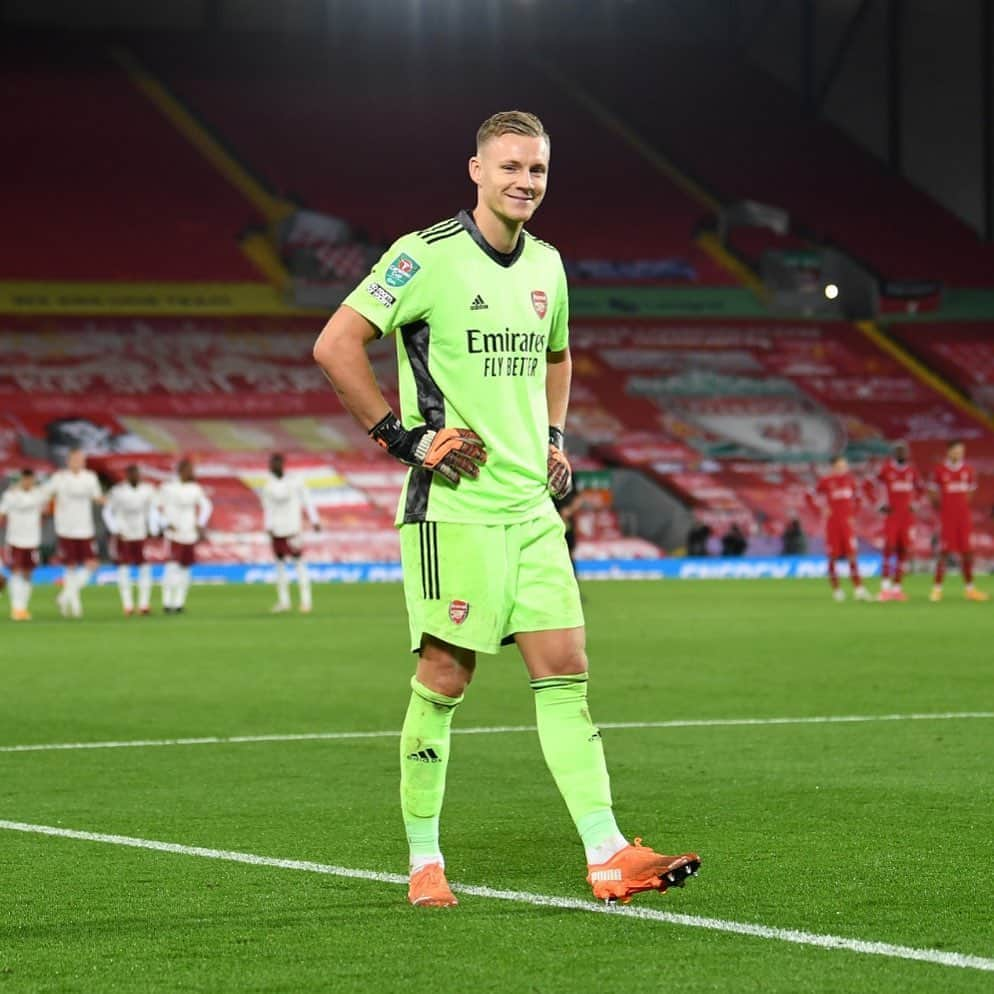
x: 511, y: 172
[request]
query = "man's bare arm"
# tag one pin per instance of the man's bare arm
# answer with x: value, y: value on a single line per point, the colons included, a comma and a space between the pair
x: 559, y: 372
x: 340, y: 351
x: 558, y: 375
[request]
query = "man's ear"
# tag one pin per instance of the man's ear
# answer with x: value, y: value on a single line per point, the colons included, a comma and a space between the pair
x: 475, y: 169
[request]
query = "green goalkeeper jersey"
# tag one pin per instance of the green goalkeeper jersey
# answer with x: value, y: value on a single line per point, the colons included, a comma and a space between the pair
x: 473, y: 327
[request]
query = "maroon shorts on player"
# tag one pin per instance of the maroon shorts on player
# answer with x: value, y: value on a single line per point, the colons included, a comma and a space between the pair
x: 180, y: 552
x: 840, y: 543
x: 129, y: 552
x: 897, y: 532
x: 956, y: 534
x: 286, y: 548
x: 20, y: 560
x: 76, y: 551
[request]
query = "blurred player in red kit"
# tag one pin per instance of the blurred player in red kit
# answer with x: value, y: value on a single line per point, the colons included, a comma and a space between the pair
x: 955, y: 481
x: 838, y: 492
x: 902, y: 483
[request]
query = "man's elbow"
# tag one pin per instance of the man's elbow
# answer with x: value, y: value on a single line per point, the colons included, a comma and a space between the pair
x: 345, y: 333
x: 324, y: 348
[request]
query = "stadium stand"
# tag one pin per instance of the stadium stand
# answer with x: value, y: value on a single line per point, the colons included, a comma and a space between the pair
x: 962, y: 352
x: 712, y: 107
x: 96, y: 162
x: 735, y: 416
x: 290, y: 123
x: 226, y: 393
x: 731, y: 416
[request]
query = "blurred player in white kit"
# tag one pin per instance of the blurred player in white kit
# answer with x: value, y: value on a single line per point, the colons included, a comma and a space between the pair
x: 285, y: 499
x: 185, y: 510
x: 130, y: 516
x: 21, y: 508
x: 75, y: 490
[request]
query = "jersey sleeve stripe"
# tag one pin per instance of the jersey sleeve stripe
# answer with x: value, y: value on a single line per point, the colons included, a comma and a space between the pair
x: 441, y: 236
x: 447, y: 223
x: 548, y: 245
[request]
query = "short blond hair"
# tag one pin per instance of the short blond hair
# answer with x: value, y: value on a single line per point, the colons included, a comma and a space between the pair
x: 510, y: 122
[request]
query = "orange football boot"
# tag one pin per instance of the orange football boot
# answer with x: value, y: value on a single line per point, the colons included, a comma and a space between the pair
x: 972, y: 594
x: 430, y: 889
x: 638, y: 868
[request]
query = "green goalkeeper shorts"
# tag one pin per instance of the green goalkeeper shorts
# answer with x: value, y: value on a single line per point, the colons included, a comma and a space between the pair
x: 476, y: 586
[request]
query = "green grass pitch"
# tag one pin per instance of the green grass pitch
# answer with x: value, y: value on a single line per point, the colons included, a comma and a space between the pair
x: 881, y: 831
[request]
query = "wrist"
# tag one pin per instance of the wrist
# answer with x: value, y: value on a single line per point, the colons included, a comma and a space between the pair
x: 388, y: 431
x: 557, y: 438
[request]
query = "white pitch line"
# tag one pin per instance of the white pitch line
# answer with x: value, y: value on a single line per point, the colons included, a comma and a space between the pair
x: 839, y: 719
x: 865, y: 947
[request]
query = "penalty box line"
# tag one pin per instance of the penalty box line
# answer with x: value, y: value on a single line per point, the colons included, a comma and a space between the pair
x: 842, y: 719
x: 937, y: 957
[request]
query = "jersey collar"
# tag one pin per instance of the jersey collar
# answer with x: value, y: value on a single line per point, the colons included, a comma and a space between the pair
x: 505, y: 259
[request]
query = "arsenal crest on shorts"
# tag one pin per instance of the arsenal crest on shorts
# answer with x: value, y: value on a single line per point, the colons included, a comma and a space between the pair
x: 540, y: 302
x: 458, y: 611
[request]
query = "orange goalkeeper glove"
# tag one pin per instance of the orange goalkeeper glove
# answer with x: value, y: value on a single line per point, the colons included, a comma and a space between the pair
x: 560, y: 471
x: 450, y: 452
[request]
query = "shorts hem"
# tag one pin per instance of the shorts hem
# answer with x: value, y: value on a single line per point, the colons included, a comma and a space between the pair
x: 551, y: 626
x: 474, y: 645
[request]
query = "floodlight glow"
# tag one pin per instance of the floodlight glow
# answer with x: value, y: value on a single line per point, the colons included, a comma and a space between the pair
x: 831, y: 291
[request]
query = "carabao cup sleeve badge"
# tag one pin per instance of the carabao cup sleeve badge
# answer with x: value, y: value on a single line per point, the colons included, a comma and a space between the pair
x: 402, y: 270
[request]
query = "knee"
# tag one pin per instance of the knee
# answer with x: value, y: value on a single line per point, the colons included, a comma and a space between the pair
x: 554, y: 653
x: 445, y: 669
x: 571, y: 662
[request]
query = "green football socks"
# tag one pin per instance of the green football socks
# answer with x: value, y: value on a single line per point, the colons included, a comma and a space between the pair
x: 424, y: 758
x: 574, y: 753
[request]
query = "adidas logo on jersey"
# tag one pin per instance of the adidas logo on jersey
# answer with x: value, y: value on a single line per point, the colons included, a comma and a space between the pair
x: 479, y: 304
x: 425, y: 756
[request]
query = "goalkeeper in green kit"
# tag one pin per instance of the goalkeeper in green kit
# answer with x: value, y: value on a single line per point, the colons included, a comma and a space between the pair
x: 480, y: 314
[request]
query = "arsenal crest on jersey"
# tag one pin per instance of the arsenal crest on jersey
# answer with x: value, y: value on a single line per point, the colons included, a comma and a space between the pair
x: 540, y: 302
x: 458, y: 612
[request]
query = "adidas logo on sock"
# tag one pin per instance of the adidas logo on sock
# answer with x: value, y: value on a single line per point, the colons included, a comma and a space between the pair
x: 425, y: 756
x: 479, y: 304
